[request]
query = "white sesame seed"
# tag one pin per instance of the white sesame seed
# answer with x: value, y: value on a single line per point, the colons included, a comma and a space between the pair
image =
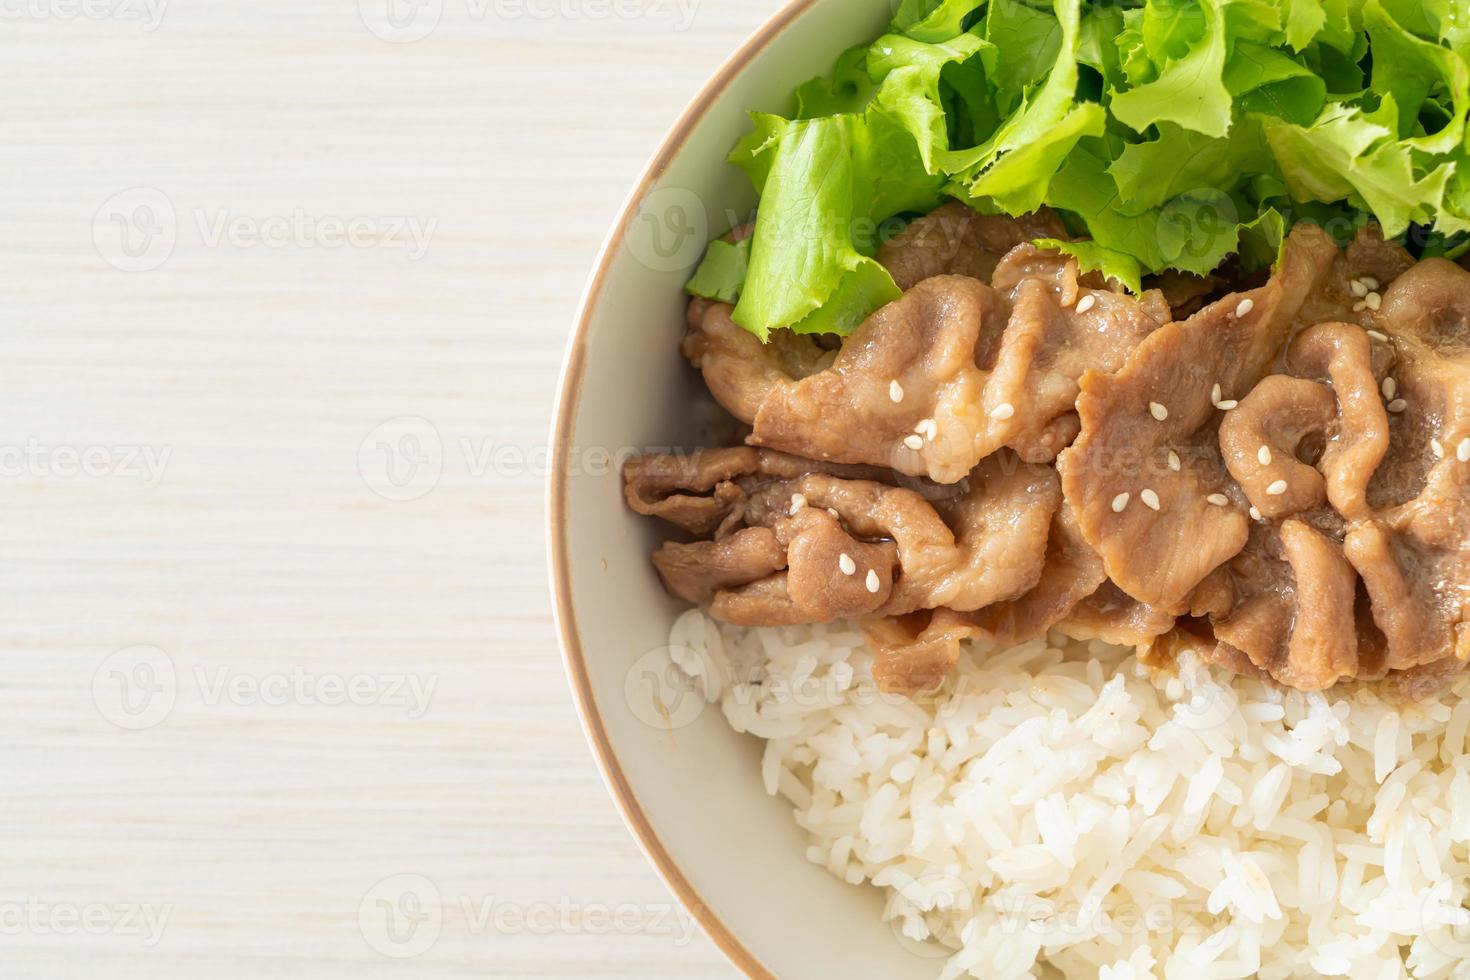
x: 895, y: 390
x: 1368, y: 282
x: 1264, y: 455
x: 1149, y: 498
x: 1085, y: 303
x: 1373, y: 300
x: 1397, y: 405
x: 1174, y: 463
x: 845, y: 562
x: 1158, y: 411
x: 1003, y: 411
x: 1358, y: 288
x: 1437, y: 447
x: 1256, y: 515
x: 798, y: 501
x: 1360, y: 306
x: 1215, y: 394
x: 1276, y: 489
x: 1462, y: 451
x: 1119, y: 502
x: 1244, y: 306
x: 833, y: 512
x: 913, y: 442
x: 1390, y: 388
x: 1228, y: 404
x: 1378, y: 335
x: 928, y: 428
x: 1218, y: 499
x: 872, y: 581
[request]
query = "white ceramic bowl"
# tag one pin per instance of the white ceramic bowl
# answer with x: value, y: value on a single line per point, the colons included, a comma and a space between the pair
x: 689, y: 788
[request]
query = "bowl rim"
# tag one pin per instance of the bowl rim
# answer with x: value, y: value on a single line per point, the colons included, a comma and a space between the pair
x: 568, y: 396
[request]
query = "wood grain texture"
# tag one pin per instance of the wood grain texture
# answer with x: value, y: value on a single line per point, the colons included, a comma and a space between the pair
x: 213, y: 612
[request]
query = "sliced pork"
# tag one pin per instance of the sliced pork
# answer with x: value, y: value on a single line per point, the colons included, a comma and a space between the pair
x: 955, y: 239
x: 1279, y: 482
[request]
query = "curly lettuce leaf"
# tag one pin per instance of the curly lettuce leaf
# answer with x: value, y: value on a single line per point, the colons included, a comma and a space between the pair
x: 1265, y: 81
x: 1092, y: 257
x: 1191, y: 91
x: 1024, y: 45
x: 823, y: 181
x: 1411, y: 71
x: 1347, y: 154
x: 1014, y: 167
x: 848, y: 89
x: 1180, y: 160
x: 1170, y: 133
x: 909, y: 93
x: 721, y: 275
x: 926, y: 20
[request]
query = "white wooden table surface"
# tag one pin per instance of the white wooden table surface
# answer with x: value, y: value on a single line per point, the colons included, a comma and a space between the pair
x: 261, y: 714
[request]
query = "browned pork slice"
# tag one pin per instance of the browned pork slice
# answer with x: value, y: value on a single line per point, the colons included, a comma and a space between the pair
x: 1347, y: 358
x: 1185, y: 292
x: 954, y: 371
x: 905, y: 391
x: 739, y: 370
x: 1367, y: 265
x: 699, y: 570
x: 1143, y: 477
x: 1001, y: 525
x: 1294, y: 613
x: 788, y: 542
x: 1261, y: 439
x: 707, y: 489
x: 955, y: 239
x: 1058, y: 330
x: 1376, y: 583
x: 916, y: 652
x: 1071, y: 573
x: 1414, y: 553
x: 1113, y: 616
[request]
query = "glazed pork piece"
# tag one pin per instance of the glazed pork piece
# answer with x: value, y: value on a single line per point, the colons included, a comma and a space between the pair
x: 956, y: 240
x: 1279, y: 481
x: 939, y: 379
x: 793, y: 541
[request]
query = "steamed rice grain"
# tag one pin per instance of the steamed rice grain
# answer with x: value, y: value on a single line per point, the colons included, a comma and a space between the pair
x: 1056, y: 810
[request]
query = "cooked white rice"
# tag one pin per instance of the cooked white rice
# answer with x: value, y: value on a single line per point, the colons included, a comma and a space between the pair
x: 1058, y: 811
